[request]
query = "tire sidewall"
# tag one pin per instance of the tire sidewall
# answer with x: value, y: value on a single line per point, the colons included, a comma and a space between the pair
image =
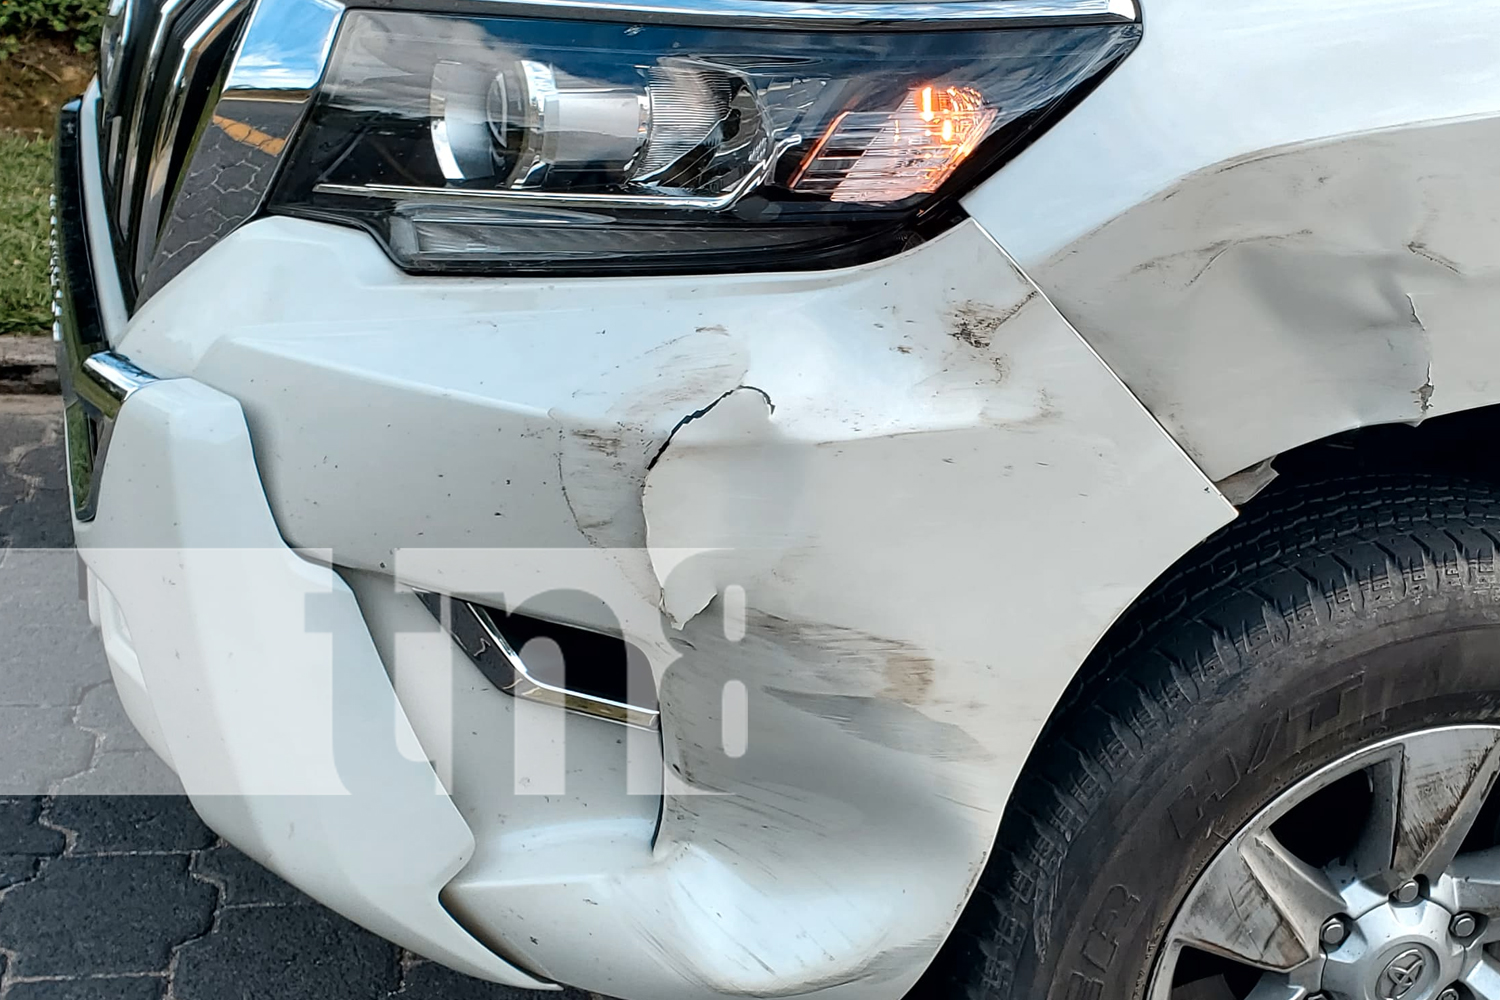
x: 1288, y: 710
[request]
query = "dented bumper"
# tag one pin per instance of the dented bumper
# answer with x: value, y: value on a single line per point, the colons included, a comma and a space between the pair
x: 864, y: 524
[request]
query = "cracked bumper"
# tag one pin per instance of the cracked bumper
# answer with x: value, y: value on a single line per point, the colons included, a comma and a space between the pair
x: 887, y: 561
x: 879, y: 570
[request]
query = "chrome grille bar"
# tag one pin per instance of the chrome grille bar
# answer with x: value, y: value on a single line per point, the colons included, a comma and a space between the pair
x: 157, y: 169
x: 155, y: 60
x: 145, y: 79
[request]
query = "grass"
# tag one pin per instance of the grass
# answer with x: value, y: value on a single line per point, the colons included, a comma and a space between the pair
x: 43, y: 62
x: 36, y: 77
x: 25, y: 218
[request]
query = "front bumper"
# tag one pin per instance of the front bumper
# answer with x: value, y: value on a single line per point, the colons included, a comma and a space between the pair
x: 248, y: 666
x: 875, y: 517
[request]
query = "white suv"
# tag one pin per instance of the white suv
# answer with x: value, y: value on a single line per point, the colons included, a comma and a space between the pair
x: 773, y: 498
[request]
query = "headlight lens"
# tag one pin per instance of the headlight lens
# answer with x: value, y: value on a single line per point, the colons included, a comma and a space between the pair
x: 500, y: 144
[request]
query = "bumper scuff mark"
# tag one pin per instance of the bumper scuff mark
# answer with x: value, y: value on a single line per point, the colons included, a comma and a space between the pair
x: 599, y: 452
x: 976, y: 323
x: 887, y: 723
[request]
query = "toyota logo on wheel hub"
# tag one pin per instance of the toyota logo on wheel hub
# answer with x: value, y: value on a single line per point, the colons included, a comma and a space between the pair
x: 1402, y: 973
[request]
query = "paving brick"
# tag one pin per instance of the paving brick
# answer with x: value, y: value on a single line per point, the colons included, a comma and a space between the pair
x: 49, y: 653
x: 25, y: 424
x: 111, y: 988
x: 39, y: 747
x: 106, y: 823
x: 41, y: 523
x: 21, y: 831
x: 16, y: 868
x: 126, y: 773
x: 430, y: 981
x: 24, y: 840
x: 102, y: 712
x: 284, y: 953
x: 243, y: 880
x: 33, y: 496
x: 44, y: 465
x: 103, y: 915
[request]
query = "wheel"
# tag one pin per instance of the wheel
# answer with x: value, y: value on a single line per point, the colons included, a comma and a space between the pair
x: 1275, y: 784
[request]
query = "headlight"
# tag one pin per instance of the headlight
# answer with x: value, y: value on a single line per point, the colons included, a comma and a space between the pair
x: 506, y: 144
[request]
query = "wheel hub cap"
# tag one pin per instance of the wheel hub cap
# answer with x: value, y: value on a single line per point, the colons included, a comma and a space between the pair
x: 1396, y: 952
x: 1404, y: 973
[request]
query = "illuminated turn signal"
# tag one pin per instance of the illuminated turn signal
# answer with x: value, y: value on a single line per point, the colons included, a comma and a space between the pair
x: 883, y: 156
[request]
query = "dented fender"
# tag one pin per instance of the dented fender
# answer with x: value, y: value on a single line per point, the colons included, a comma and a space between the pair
x: 1297, y: 232
x: 1281, y: 297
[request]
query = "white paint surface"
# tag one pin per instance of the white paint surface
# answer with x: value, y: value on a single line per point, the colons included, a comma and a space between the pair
x: 273, y: 705
x: 950, y: 501
x: 1213, y: 82
x: 1277, y: 220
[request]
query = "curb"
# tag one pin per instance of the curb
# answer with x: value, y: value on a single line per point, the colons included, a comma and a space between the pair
x: 28, y: 365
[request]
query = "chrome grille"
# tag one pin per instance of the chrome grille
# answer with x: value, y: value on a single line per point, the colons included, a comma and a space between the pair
x: 158, y: 64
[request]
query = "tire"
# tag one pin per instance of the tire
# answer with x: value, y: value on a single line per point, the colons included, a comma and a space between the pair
x: 1330, y: 616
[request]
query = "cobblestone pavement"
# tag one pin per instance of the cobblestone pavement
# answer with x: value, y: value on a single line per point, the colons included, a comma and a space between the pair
x: 130, y: 897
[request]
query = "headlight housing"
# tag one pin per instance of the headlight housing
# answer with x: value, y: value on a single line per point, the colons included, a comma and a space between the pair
x: 515, y: 145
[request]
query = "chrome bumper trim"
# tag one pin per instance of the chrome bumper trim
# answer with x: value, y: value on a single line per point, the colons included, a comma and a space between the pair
x: 118, y: 375
x: 95, y: 380
x: 475, y: 632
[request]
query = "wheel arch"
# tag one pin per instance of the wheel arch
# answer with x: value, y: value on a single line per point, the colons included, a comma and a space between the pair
x: 1437, y: 456
x: 1444, y: 447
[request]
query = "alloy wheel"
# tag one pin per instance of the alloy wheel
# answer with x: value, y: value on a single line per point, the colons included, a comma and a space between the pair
x: 1375, y: 878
